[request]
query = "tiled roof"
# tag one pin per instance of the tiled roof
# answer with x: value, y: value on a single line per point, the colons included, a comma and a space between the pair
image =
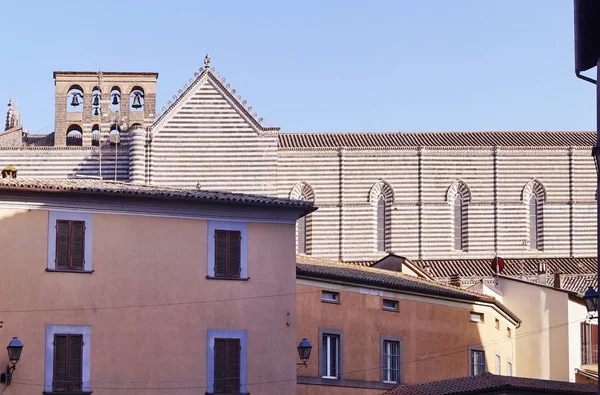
x: 437, y: 139
x: 513, y: 267
x: 102, y: 187
x: 488, y: 382
x: 330, y: 270
x: 576, y: 271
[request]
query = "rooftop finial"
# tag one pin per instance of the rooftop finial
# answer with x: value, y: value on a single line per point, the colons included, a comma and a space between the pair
x: 10, y: 103
x: 207, y: 61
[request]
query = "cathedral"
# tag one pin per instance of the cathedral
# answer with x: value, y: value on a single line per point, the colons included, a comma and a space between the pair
x: 447, y: 202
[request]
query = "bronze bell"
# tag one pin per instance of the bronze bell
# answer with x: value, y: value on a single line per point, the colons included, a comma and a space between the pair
x: 137, y: 103
x: 75, y: 101
x: 115, y: 100
x: 96, y: 111
x: 96, y: 101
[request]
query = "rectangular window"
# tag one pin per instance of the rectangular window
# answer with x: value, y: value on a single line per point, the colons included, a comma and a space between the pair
x: 589, y: 344
x: 391, y: 305
x: 227, y: 253
x: 497, y: 323
x: 458, y: 224
x: 330, y: 297
x: 227, y: 366
x: 68, y: 359
x: 381, y: 224
x: 330, y: 356
x: 477, y: 362
x: 498, y: 365
x: 508, y: 332
x: 301, y: 235
x: 533, y: 223
x: 509, y: 369
x: 70, y: 236
x: 391, y: 361
x: 476, y: 317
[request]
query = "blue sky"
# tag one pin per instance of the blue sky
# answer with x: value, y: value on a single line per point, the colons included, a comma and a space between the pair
x: 318, y: 66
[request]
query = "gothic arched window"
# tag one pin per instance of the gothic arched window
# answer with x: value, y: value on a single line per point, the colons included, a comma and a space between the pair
x: 534, y: 196
x: 381, y: 224
x: 303, y: 191
x: 301, y: 233
x: 534, y: 237
x: 458, y: 224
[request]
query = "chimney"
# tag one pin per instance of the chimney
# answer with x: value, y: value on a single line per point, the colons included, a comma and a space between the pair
x: 455, y: 280
x: 541, y: 272
x: 558, y: 279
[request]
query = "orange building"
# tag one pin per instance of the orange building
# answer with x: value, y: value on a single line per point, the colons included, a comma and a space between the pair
x: 373, y: 329
x: 124, y: 289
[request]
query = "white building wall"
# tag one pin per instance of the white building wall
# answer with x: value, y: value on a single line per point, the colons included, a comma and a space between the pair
x: 577, y: 315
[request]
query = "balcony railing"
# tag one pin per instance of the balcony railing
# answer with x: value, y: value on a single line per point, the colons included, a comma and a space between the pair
x: 589, y: 354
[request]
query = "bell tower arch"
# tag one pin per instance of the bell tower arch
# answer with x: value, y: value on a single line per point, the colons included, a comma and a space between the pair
x: 96, y: 101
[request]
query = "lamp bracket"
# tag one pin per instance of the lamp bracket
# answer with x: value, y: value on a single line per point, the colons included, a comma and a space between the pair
x: 9, y: 373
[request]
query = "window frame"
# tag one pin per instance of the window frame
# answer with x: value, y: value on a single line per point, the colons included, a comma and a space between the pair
x: 51, y: 331
x: 498, y: 364
x: 383, y: 340
x: 396, y: 307
x: 336, y: 297
x: 53, y: 218
x: 472, y: 352
x: 339, y: 334
x: 478, y: 314
x: 458, y: 223
x: 509, y: 368
x: 241, y: 227
x: 381, y: 224
x: 213, y: 334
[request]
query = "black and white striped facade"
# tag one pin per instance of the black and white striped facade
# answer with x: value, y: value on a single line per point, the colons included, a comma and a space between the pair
x: 210, y: 139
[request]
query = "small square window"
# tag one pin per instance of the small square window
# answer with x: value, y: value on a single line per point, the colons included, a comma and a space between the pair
x: 476, y: 317
x: 497, y: 323
x: 508, y: 332
x: 391, y: 305
x: 330, y: 297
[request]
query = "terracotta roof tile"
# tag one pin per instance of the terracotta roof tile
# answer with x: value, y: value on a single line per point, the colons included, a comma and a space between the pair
x: 488, y: 382
x: 436, y: 139
x: 114, y: 188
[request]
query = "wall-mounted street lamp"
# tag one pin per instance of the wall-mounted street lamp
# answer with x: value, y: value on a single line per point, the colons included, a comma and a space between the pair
x: 591, y: 301
x: 304, y: 349
x: 14, y: 349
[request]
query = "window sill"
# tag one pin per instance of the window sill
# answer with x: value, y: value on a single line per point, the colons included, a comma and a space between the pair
x: 330, y: 301
x: 392, y: 310
x: 230, y: 279
x: 68, y: 271
x: 67, y: 393
x: 232, y: 393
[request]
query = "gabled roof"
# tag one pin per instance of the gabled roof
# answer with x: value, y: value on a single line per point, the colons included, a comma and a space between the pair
x: 488, y: 382
x: 209, y: 74
x: 405, y: 261
x: 436, y: 139
x: 115, y: 188
x: 308, y: 267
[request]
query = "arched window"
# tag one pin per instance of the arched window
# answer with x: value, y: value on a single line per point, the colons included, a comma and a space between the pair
x: 303, y: 191
x: 301, y: 233
x: 96, y: 101
x: 96, y: 135
x: 381, y: 224
x: 136, y: 99
x: 534, y: 196
x: 75, y: 99
x: 115, y: 135
x: 533, y: 223
x: 458, y: 223
x: 381, y: 196
x: 458, y: 197
x: 115, y: 99
x: 74, y: 136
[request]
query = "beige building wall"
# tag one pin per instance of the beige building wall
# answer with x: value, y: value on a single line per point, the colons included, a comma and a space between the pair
x: 148, y: 303
x: 436, y: 336
x: 548, y: 342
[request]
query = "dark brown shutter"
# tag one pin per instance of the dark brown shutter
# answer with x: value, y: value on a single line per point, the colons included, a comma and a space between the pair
x: 62, y: 244
x: 220, y: 365
x: 77, y: 244
x: 233, y: 365
x: 59, y: 378
x: 234, y: 253
x: 75, y: 361
x: 220, y: 253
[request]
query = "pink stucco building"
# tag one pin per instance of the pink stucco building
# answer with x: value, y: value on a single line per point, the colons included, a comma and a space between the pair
x: 116, y: 288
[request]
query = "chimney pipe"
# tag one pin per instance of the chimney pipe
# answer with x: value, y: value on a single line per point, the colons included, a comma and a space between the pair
x: 455, y: 280
x: 558, y: 279
x: 542, y: 275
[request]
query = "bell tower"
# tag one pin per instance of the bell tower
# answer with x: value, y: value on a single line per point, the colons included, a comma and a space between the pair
x: 92, y: 106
